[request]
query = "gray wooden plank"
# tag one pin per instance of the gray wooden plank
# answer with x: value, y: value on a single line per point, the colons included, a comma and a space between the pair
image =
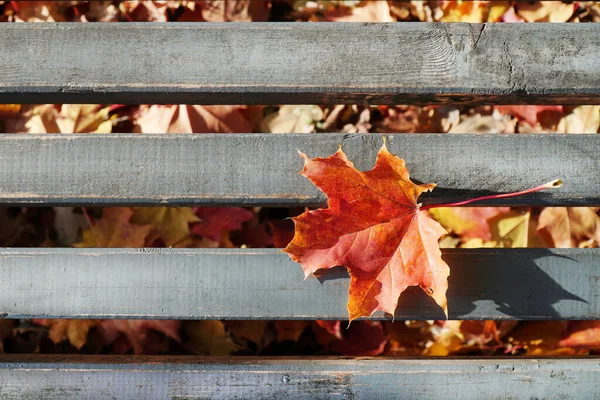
x: 266, y: 284
x: 262, y: 169
x: 276, y: 63
x: 113, y: 377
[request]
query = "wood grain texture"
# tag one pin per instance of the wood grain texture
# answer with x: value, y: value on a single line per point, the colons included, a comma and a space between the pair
x: 300, y: 63
x: 262, y: 169
x: 106, y: 377
x: 266, y: 284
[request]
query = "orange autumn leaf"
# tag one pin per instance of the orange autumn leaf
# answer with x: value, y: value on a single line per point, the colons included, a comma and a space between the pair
x: 373, y: 226
x: 216, y: 220
x: 115, y: 230
x: 582, y: 334
x: 75, y: 330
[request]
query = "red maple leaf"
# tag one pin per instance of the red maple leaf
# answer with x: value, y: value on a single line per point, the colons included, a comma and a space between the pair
x: 215, y: 220
x: 373, y: 226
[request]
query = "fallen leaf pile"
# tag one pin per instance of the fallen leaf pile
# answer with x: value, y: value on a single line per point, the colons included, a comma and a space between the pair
x: 384, y: 250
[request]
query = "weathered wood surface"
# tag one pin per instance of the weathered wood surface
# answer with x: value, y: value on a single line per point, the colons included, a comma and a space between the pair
x: 113, y: 377
x: 266, y: 284
x: 278, y: 63
x: 262, y: 169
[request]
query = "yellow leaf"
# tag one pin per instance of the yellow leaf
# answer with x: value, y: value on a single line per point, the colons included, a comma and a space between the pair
x: 71, y: 118
x: 476, y: 243
x: 288, y: 119
x: 497, y: 10
x: 590, y: 117
x: 510, y: 229
x: 208, y: 337
x: 9, y: 110
x: 75, y: 330
x: 115, y: 230
x: 464, y: 11
x: 171, y: 224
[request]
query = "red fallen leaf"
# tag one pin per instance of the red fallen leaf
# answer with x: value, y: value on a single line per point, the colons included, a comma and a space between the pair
x: 528, y: 114
x: 362, y: 338
x: 584, y: 334
x: 332, y: 327
x: 374, y: 228
x: 215, y: 220
x: 282, y: 231
x: 137, y: 332
x: 254, y: 234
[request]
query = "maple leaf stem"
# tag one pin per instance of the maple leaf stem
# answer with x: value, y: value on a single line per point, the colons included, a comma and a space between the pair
x: 553, y: 184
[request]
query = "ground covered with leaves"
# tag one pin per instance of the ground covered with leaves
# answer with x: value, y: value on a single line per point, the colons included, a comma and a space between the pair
x: 231, y: 227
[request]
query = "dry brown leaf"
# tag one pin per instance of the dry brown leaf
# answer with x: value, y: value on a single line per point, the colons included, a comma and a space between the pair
x: 208, y: 338
x: 251, y: 330
x: 292, y: 119
x: 367, y: 11
x: 65, y: 118
x: 115, y: 230
x: 145, y: 11
x: 170, y: 224
x: 235, y: 10
x: 477, y: 123
x: 583, y: 119
x: 290, y: 330
x: 198, y: 119
x: 566, y: 227
x: 545, y: 11
x: 137, y: 332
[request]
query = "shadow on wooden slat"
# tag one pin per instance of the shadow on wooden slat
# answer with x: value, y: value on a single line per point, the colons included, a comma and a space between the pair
x: 516, y: 285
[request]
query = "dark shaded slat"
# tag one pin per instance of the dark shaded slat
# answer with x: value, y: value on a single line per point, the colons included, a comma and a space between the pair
x: 113, y: 377
x: 278, y: 63
x: 262, y: 169
x: 266, y: 284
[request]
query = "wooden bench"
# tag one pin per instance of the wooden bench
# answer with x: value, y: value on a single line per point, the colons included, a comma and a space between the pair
x: 288, y: 63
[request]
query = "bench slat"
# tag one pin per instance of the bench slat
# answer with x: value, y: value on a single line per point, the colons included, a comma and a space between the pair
x: 262, y: 169
x: 113, y: 377
x: 266, y: 284
x: 299, y: 63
